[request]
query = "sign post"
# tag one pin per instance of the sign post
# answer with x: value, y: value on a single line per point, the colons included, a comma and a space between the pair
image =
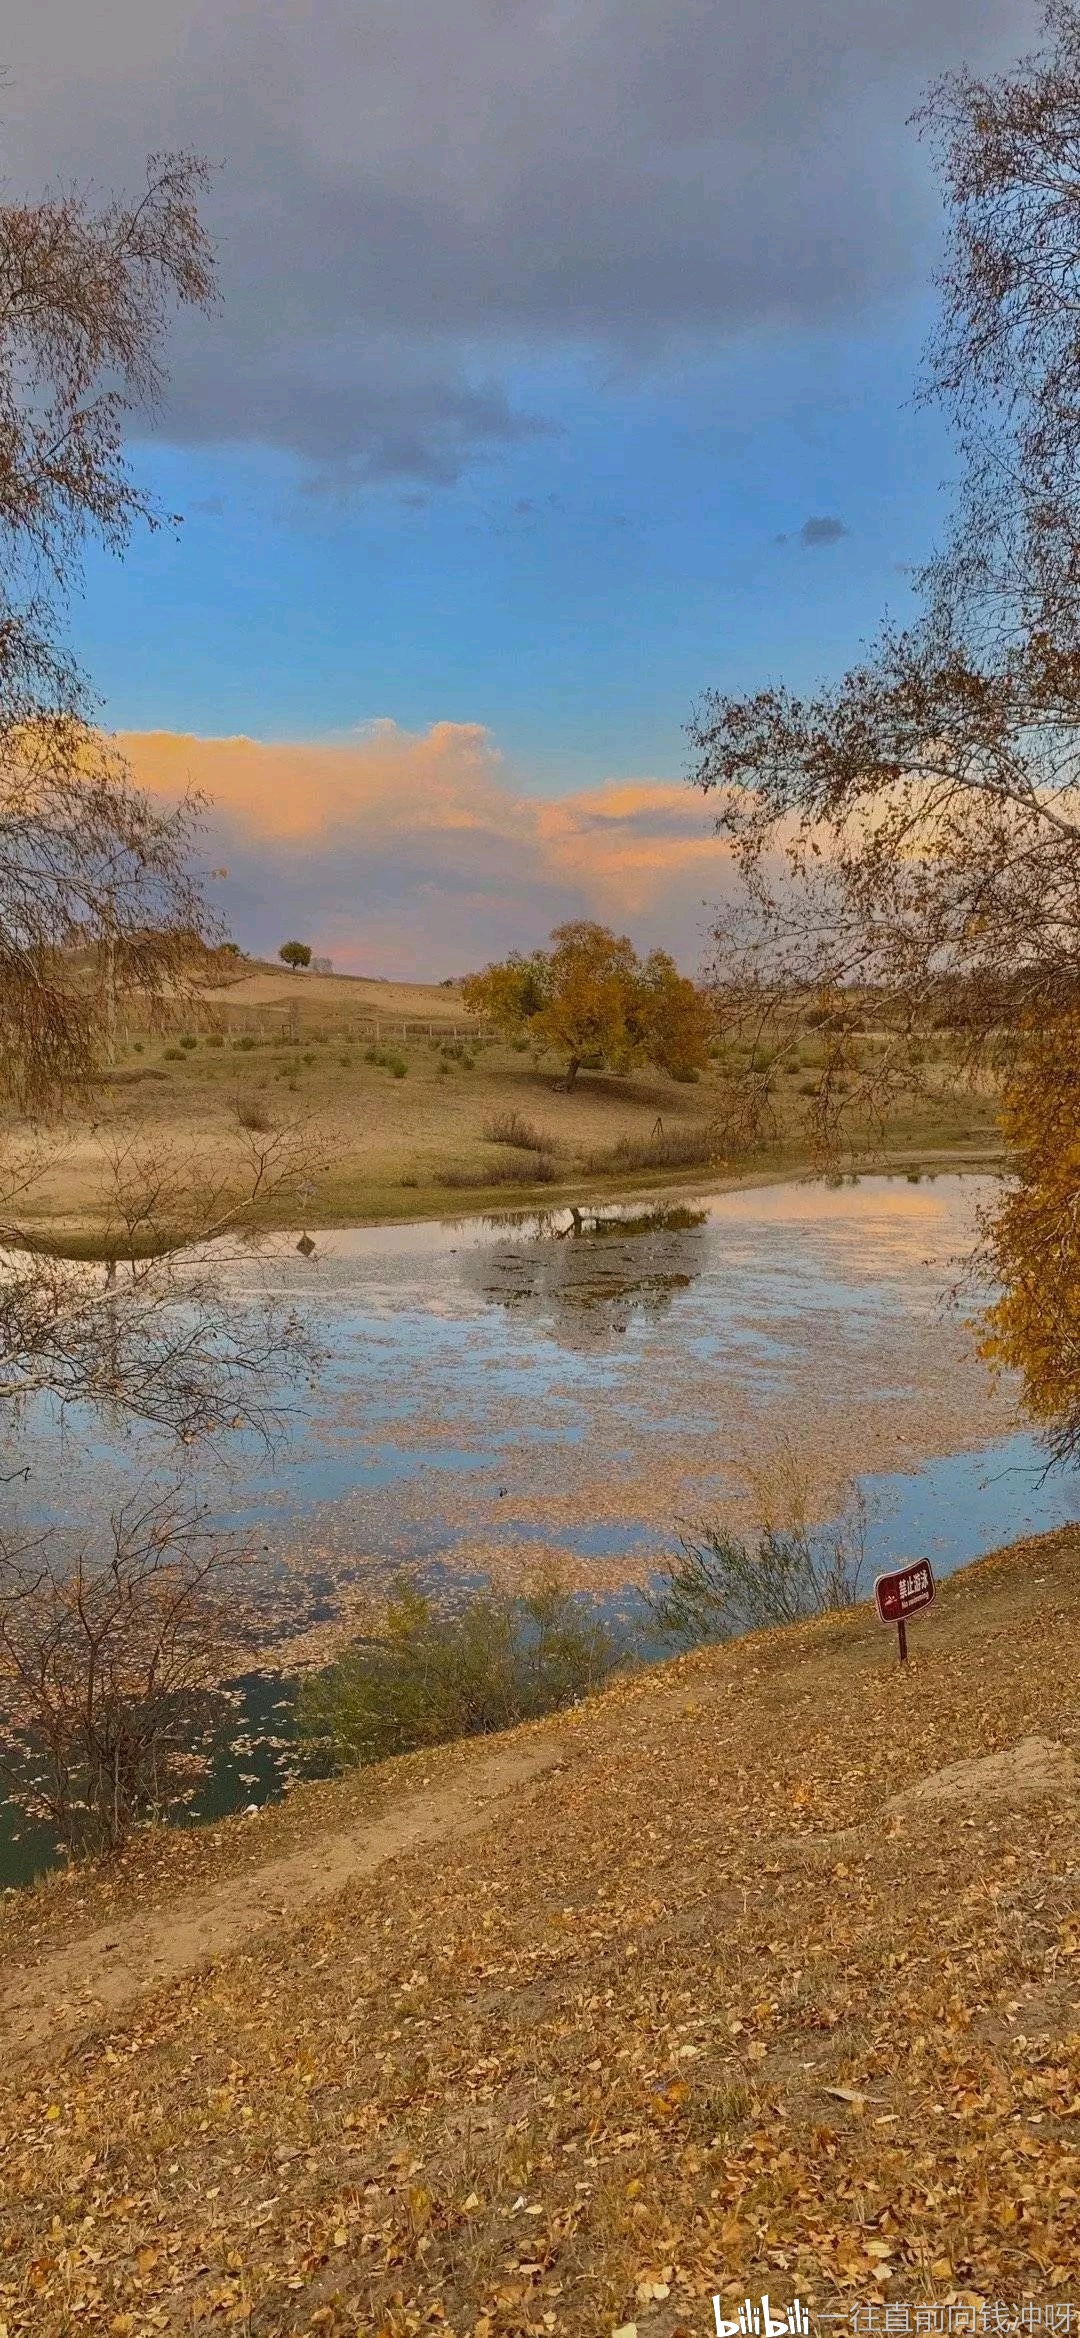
x: 905, y: 1593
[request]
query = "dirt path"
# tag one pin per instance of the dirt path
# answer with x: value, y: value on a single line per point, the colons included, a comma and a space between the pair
x: 66, y: 1994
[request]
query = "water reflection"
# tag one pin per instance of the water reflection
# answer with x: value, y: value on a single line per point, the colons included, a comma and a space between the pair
x: 581, y: 1276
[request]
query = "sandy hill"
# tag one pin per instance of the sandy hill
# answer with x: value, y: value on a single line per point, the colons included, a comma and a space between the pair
x: 263, y: 984
x: 759, y: 1973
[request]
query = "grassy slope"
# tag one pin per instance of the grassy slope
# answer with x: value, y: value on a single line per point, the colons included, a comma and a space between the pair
x: 380, y: 1145
x: 578, y: 2071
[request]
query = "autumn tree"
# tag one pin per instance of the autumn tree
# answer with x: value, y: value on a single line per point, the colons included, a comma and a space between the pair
x: 912, y: 834
x: 103, y: 1668
x: 589, y: 998
x: 95, y: 884
x: 97, y: 892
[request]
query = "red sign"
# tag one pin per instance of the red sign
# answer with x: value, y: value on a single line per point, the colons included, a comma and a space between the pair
x: 906, y: 1593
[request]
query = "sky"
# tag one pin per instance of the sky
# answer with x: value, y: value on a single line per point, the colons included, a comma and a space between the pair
x: 563, y: 368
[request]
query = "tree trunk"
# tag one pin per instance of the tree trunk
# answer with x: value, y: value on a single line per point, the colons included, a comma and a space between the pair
x: 572, y: 1070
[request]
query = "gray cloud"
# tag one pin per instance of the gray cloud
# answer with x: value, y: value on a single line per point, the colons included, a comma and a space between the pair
x: 825, y: 530
x: 420, y: 207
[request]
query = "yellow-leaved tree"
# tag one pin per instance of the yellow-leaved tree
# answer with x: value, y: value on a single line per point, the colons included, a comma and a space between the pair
x: 591, y: 999
x: 1033, y: 1237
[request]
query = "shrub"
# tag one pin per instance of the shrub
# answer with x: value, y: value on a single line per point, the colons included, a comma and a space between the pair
x: 310, y: 1056
x: 245, y: 1041
x: 174, y: 1054
x: 215, y: 1038
x: 685, y: 1148
x: 189, y: 1040
x: 251, y: 1114
x: 721, y: 1585
x: 387, y: 1061
x: 511, y: 1128
x: 428, y: 1677
x: 531, y: 1169
x: 112, y: 1674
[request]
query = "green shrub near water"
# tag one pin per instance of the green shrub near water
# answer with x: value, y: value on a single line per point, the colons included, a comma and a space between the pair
x: 430, y: 1676
x: 721, y: 1585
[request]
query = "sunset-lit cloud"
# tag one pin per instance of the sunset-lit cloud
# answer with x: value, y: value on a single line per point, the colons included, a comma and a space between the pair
x: 415, y: 855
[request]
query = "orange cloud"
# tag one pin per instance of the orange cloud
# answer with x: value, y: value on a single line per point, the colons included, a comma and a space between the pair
x: 413, y: 854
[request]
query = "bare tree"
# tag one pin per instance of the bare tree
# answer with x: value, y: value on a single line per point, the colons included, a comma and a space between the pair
x: 95, y: 887
x: 1005, y: 358
x: 153, y: 1330
x: 912, y: 834
x: 112, y: 1671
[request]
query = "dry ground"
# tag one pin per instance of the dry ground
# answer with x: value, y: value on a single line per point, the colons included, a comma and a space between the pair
x: 383, y: 1147
x: 728, y: 1998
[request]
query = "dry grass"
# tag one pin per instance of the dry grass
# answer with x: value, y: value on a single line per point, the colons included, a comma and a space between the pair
x: 683, y: 1148
x: 381, y: 1146
x: 710, y: 2009
x: 531, y: 1169
x: 512, y: 1128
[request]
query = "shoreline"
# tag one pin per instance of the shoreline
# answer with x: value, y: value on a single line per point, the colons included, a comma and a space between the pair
x: 79, y: 1240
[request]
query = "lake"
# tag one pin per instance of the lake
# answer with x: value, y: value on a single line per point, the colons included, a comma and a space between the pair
x: 577, y: 1389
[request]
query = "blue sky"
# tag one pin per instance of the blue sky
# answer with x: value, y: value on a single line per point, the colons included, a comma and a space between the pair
x: 573, y: 593
x: 563, y: 368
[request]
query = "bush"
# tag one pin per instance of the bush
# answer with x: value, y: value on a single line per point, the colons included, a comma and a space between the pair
x: 112, y: 1672
x: 428, y: 1677
x: 387, y: 1061
x: 721, y: 1585
x: 215, y: 1038
x: 251, y: 1114
x: 531, y: 1169
x: 511, y: 1128
x: 245, y: 1041
x: 173, y: 1054
x: 685, y: 1148
x: 189, y: 1040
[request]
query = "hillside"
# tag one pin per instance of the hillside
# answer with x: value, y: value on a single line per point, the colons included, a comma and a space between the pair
x: 401, y: 1108
x: 758, y: 1973
x: 260, y: 983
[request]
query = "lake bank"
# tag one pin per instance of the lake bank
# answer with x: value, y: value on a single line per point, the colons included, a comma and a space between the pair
x: 744, y: 1949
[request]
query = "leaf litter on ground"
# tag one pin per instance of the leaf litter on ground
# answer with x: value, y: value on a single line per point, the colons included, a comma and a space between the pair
x: 653, y: 2032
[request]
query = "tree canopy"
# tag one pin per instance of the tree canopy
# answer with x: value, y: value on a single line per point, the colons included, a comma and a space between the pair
x: 87, y: 861
x: 591, y: 999
x: 915, y: 827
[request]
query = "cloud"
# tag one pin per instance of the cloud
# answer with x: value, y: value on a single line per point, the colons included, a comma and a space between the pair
x: 413, y: 854
x: 827, y: 530
x: 420, y: 207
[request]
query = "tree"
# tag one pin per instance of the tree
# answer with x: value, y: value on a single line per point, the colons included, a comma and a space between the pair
x: 95, y: 888
x: 105, y: 1668
x: 1032, y: 1238
x: 914, y: 831
x: 589, y: 998
x: 111, y: 1671
x: 1004, y: 358
x: 671, y: 1017
x: 295, y: 954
